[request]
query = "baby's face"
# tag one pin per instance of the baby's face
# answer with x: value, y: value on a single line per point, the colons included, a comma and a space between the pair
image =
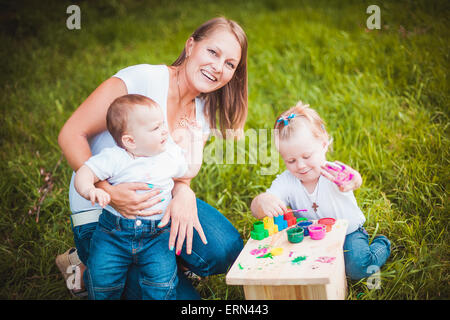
x: 303, y: 155
x: 147, y: 126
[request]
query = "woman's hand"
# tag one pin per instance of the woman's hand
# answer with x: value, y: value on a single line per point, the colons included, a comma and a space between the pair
x: 128, y: 202
x: 345, y: 177
x: 182, y: 211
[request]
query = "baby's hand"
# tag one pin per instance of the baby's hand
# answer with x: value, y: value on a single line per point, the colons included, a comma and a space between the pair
x: 100, y: 196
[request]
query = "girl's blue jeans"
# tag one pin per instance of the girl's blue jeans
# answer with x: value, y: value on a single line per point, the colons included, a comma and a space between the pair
x: 362, y: 259
x: 116, y: 244
x: 224, y: 245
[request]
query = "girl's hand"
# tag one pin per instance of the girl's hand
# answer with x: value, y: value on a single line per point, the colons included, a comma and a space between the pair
x: 266, y: 204
x: 100, y: 196
x: 182, y: 211
x: 128, y: 202
x: 345, y: 177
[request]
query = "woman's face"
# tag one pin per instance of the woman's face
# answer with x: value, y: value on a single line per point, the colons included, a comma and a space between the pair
x: 211, y: 62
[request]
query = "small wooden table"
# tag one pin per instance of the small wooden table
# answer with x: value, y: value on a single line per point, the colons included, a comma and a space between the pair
x: 321, y: 276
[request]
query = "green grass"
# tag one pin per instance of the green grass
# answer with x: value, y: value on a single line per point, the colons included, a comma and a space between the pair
x: 383, y: 93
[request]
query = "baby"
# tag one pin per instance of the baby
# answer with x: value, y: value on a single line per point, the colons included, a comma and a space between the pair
x: 303, y: 142
x: 144, y: 153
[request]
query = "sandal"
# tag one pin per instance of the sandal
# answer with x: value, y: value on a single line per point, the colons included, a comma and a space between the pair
x: 194, y: 278
x: 67, y: 264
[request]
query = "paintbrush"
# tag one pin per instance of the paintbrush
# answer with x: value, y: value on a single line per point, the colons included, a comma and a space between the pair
x: 298, y: 210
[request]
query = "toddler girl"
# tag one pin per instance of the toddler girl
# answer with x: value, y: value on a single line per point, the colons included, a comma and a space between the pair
x: 303, y: 142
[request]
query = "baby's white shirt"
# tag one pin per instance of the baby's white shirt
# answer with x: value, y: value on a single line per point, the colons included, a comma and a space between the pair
x: 330, y: 200
x: 117, y: 166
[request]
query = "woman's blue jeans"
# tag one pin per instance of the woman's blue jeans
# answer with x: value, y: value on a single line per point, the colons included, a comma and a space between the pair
x: 362, y: 259
x: 224, y: 245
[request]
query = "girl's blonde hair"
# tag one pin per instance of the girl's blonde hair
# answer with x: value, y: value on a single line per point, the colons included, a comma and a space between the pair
x: 298, y: 117
x: 229, y: 103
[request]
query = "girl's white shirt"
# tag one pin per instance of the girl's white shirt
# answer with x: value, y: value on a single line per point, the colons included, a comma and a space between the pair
x: 330, y: 200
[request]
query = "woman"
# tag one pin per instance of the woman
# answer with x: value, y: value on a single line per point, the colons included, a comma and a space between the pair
x: 206, y: 82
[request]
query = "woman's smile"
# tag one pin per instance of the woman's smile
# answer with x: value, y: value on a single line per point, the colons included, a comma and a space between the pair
x: 208, y: 75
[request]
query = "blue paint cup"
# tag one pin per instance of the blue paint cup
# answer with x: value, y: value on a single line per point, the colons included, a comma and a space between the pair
x: 304, y: 225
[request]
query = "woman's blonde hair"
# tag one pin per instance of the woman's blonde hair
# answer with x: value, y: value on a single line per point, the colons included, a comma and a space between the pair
x: 297, y: 117
x: 227, y: 105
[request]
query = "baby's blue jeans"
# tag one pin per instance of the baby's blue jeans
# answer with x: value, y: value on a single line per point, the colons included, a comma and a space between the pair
x: 224, y: 245
x: 117, y: 243
x: 362, y: 259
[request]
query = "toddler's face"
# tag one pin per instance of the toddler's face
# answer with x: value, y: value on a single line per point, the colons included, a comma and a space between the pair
x: 303, y: 155
x: 149, y: 131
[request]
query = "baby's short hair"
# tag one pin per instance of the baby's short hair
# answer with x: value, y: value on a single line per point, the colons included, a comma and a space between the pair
x: 297, y: 117
x: 119, y: 110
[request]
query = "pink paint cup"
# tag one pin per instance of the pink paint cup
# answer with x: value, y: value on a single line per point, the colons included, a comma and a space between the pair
x: 317, y: 231
x: 328, y: 222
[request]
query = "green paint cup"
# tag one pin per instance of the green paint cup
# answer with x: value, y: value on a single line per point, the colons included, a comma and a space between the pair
x: 295, y: 235
x: 258, y: 226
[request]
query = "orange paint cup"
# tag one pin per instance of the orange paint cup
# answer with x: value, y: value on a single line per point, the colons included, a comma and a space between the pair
x: 328, y: 222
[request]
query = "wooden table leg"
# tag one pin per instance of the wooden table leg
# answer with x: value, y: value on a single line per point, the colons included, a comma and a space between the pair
x: 311, y: 292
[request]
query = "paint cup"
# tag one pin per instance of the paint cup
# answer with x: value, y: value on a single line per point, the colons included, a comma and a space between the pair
x: 328, y: 222
x: 295, y: 235
x: 317, y: 231
x: 258, y: 226
x: 304, y: 225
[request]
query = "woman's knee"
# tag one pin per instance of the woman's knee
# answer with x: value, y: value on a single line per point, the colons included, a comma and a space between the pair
x: 224, y: 243
x: 230, y: 251
x: 218, y: 257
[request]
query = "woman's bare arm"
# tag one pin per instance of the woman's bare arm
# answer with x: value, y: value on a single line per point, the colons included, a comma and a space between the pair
x: 88, y: 120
